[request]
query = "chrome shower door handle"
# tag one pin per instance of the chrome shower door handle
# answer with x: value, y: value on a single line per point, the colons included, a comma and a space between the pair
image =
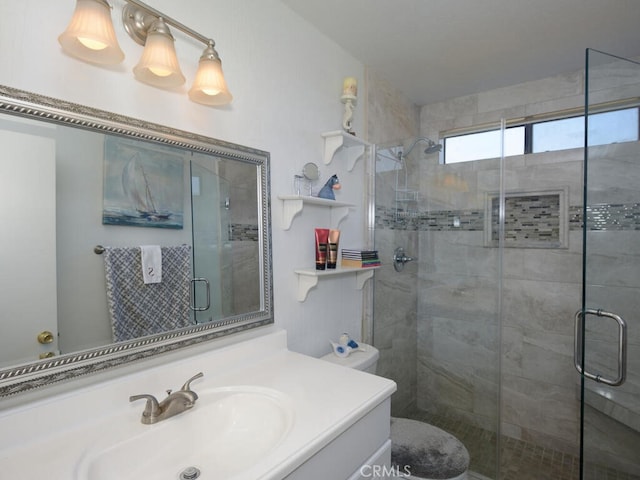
x: 193, y: 289
x: 622, y: 347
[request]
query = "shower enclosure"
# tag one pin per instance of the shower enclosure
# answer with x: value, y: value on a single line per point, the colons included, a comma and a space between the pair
x: 478, y: 330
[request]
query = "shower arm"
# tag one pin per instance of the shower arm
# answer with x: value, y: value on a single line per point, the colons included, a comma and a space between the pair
x: 432, y: 146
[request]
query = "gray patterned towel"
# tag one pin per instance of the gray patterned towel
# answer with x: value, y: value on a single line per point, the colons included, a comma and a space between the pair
x: 138, y: 309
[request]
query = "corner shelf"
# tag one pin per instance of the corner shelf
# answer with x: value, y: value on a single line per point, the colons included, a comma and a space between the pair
x: 308, y: 278
x: 353, y: 147
x: 293, y: 204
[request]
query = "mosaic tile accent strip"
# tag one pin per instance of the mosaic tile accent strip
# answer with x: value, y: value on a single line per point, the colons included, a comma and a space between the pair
x: 601, y: 217
x: 243, y: 232
x: 444, y: 220
x: 614, y: 216
x: 575, y: 217
x: 530, y: 220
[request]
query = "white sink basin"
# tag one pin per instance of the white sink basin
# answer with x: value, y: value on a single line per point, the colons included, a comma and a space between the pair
x: 229, y: 429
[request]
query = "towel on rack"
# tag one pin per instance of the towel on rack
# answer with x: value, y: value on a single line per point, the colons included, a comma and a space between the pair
x: 151, y: 257
x: 138, y: 309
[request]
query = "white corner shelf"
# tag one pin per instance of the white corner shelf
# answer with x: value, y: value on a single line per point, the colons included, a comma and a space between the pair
x: 292, y: 205
x: 353, y: 147
x: 308, y: 278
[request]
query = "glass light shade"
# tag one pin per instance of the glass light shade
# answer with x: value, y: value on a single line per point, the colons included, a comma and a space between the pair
x: 90, y: 35
x: 209, y: 86
x: 159, y: 65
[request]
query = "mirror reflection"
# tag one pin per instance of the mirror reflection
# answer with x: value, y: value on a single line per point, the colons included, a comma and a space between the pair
x: 112, y: 238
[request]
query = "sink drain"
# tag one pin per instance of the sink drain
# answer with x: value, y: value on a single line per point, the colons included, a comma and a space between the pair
x: 189, y: 473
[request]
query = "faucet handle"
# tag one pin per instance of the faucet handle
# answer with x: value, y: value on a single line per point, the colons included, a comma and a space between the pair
x: 152, y: 408
x: 187, y: 385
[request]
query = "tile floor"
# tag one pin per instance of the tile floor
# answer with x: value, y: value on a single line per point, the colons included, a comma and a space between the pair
x: 519, y: 460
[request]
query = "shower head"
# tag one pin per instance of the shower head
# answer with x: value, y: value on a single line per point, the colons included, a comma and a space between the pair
x: 432, y: 147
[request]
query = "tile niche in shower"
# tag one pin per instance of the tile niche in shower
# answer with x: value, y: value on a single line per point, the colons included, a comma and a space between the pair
x: 531, y: 219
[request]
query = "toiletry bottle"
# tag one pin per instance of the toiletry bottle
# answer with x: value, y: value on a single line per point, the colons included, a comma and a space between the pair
x: 322, y: 239
x: 332, y: 253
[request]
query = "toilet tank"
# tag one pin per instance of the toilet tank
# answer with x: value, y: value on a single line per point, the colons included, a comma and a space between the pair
x: 365, y: 359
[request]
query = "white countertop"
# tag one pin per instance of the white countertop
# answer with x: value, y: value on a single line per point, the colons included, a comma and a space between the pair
x: 46, y: 439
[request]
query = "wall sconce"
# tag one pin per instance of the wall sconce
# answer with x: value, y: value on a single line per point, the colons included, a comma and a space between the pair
x: 90, y: 37
x: 350, y: 99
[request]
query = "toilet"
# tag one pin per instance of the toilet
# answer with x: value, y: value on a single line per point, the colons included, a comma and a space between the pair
x: 428, y: 452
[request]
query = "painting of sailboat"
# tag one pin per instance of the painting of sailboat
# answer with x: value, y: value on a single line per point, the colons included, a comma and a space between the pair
x: 143, y: 184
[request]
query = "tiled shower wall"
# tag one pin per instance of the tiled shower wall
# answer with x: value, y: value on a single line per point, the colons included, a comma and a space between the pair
x: 464, y: 361
x: 392, y: 117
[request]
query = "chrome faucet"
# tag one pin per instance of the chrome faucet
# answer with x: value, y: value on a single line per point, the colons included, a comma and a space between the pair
x: 175, y: 403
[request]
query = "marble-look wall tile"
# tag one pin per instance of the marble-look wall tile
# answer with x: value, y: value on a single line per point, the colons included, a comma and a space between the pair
x: 560, y: 86
x: 540, y: 305
x: 457, y: 252
x: 245, y: 293
x: 624, y: 301
x: 548, y: 265
x: 614, y: 173
x: 458, y: 296
x: 613, y: 258
x: 543, y: 413
x: 393, y: 120
x: 610, y: 442
x: 391, y: 116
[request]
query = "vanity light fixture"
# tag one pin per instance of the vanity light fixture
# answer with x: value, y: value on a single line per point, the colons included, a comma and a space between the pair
x: 159, y: 64
x: 90, y: 35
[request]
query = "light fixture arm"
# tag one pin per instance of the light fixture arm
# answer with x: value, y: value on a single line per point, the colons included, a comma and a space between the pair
x: 137, y: 21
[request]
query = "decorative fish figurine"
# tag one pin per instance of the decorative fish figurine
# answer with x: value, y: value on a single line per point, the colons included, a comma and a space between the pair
x: 327, y: 191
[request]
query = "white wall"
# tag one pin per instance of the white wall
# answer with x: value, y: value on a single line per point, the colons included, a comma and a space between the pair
x: 286, y: 79
x: 23, y: 186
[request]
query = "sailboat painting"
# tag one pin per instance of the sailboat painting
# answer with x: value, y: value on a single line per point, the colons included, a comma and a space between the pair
x: 143, y: 184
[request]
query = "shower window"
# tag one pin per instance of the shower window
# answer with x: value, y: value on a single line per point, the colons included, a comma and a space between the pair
x: 604, y: 128
x: 615, y: 126
x: 481, y: 145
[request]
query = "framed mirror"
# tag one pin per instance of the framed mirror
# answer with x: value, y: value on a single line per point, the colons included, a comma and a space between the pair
x: 93, y: 202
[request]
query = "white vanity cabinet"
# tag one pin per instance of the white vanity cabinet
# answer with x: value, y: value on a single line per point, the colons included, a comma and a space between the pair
x: 356, y: 454
x: 334, y: 421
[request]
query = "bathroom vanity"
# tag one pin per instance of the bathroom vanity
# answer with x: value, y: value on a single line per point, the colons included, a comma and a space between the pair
x: 263, y: 412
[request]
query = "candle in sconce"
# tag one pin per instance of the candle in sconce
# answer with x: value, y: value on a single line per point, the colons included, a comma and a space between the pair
x: 350, y: 87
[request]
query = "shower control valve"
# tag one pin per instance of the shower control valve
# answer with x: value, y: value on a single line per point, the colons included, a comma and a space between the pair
x: 399, y: 259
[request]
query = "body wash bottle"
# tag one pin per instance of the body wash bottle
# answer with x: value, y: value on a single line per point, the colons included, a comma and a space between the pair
x: 322, y: 239
x: 332, y: 254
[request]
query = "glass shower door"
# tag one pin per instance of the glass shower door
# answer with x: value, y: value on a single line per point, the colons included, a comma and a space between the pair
x: 608, y: 325
x: 210, y: 212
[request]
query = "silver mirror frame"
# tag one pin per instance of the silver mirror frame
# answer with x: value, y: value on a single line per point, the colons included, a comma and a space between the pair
x: 26, y: 377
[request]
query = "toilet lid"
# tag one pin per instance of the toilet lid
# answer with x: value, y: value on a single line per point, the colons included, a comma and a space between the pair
x: 426, y: 450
